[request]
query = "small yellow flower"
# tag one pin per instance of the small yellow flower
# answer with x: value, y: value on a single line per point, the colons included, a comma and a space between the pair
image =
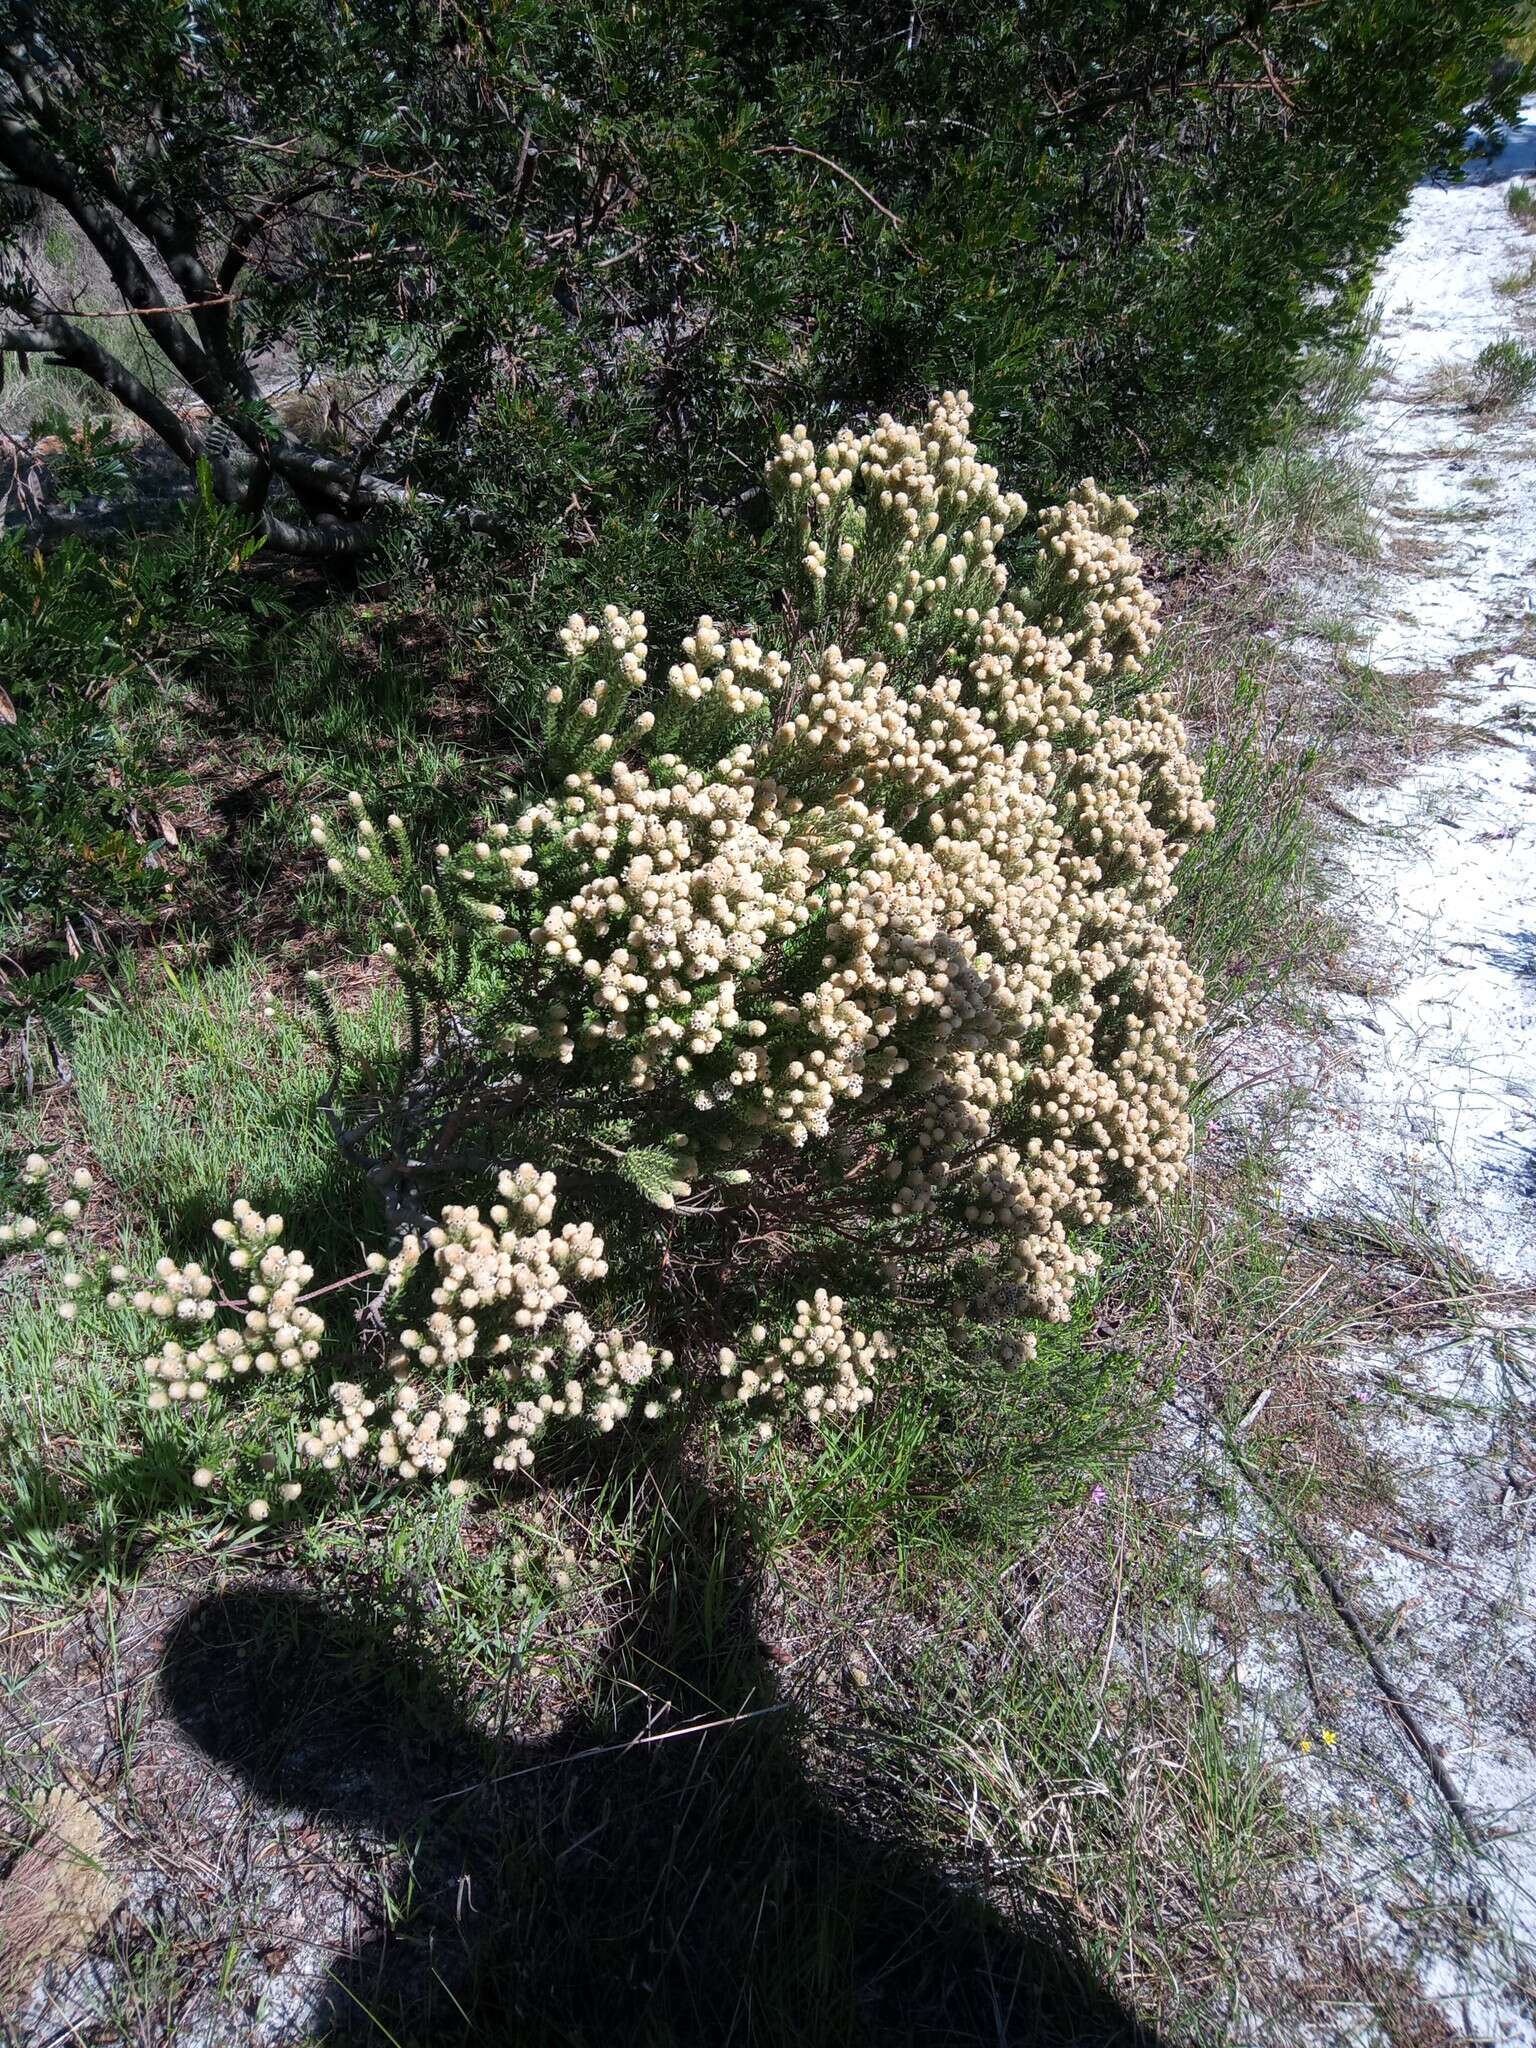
x: 1329, y: 1738
x: 1305, y: 1745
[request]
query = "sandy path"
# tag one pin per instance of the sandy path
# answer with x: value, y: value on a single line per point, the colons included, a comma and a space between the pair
x: 1422, y: 1110
x: 1438, y: 1091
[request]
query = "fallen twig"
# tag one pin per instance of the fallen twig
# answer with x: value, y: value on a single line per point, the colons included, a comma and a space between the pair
x: 1255, y: 1411
x: 1413, y: 1727
x: 1433, y: 1761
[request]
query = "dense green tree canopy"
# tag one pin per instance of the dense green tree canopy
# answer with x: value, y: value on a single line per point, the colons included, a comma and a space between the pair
x: 558, y: 260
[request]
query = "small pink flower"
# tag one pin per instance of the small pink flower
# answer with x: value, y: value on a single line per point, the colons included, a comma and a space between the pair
x: 1096, y: 1498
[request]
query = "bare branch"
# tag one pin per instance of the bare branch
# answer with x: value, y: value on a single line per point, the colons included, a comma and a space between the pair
x: 248, y: 230
x: 35, y: 149
x: 31, y: 164
x: 49, y: 333
x: 796, y: 149
x: 318, y: 541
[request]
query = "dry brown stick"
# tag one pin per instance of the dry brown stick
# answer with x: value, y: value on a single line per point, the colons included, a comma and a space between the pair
x: 1312, y: 1685
x: 135, y: 312
x: 798, y: 149
x: 1391, y: 1692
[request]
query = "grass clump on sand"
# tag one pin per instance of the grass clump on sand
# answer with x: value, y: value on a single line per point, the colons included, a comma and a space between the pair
x: 1500, y: 376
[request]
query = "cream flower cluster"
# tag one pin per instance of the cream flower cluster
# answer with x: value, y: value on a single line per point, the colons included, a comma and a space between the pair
x: 735, y: 675
x: 911, y: 871
x: 820, y: 1359
x: 507, y: 1347
x: 865, y: 931
x: 504, y: 1351
x: 893, y: 893
x: 271, y: 1329
x: 607, y: 665
x: 43, y: 1223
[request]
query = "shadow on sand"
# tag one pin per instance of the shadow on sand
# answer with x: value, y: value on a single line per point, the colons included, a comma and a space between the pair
x: 661, y: 1871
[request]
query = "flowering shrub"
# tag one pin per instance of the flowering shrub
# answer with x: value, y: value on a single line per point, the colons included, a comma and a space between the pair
x: 833, y: 960
x: 34, y: 1220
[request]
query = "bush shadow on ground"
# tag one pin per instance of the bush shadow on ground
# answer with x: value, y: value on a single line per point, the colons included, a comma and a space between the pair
x: 663, y: 1869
